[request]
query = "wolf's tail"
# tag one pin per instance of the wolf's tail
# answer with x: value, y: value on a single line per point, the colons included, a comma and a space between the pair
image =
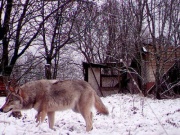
x: 100, y: 106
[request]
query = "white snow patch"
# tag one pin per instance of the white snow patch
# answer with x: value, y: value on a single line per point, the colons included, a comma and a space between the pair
x: 129, y: 114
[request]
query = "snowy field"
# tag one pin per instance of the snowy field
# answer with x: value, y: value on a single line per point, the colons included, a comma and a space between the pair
x: 129, y: 115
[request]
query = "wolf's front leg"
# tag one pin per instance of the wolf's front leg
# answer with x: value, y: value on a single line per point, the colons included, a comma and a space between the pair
x: 51, y: 119
x: 40, y: 117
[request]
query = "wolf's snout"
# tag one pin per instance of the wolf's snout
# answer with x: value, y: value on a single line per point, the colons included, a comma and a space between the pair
x: 1, y: 110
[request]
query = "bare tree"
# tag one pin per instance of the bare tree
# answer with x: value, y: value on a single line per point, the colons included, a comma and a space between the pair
x: 29, y: 67
x: 21, y: 28
x: 88, y: 31
x: 57, y: 32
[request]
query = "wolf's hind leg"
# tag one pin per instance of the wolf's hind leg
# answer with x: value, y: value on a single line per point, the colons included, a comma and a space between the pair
x: 85, y: 109
x: 51, y: 119
x: 88, y: 119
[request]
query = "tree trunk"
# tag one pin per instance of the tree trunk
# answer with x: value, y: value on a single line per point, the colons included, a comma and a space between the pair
x: 157, y: 84
x: 48, y: 72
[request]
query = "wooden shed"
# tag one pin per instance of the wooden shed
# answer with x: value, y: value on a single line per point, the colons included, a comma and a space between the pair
x: 104, y: 78
x: 111, y: 78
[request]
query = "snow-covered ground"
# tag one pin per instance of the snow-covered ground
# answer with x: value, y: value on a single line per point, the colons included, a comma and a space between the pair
x: 129, y: 115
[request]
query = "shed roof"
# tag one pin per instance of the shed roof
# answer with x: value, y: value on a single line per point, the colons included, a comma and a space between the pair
x: 94, y: 65
x: 101, y: 65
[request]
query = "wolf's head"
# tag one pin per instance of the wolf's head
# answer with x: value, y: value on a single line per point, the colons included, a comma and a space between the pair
x: 13, y: 102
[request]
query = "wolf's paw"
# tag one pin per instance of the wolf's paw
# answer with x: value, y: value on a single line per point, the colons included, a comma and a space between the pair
x: 38, y: 118
x: 53, y: 129
x: 89, y: 129
x: 38, y: 124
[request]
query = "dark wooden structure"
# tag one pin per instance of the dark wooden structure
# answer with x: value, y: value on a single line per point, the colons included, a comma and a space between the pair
x: 111, y: 78
x: 170, y: 57
x: 104, y: 78
x: 2, y: 87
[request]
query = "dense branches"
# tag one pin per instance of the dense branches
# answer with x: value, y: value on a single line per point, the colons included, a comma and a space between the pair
x: 113, y: 31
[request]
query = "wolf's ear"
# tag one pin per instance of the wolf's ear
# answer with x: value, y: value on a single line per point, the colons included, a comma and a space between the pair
x: 19, y: 93
x: 8, y: 88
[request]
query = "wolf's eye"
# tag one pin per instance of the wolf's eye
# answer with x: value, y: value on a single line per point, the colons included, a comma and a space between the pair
x: 10, y: 100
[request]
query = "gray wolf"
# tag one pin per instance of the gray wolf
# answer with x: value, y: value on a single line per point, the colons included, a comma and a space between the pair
x: 48, y: 96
